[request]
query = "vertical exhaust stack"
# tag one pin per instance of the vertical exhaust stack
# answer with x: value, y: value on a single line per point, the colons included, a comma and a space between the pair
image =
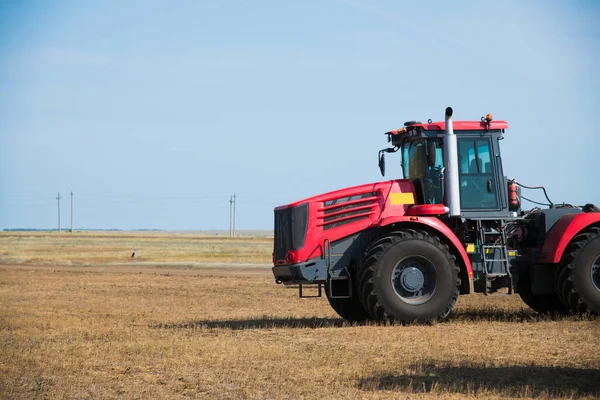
x: 452, y: 186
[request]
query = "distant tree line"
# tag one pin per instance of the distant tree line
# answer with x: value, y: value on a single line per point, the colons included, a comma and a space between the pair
x: 81, y: 229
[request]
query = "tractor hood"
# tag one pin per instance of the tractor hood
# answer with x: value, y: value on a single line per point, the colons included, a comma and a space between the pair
x: 302, y: 227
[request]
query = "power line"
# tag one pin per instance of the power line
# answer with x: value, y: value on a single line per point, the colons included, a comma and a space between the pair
x: 14, y: 198
x: 171, y: 203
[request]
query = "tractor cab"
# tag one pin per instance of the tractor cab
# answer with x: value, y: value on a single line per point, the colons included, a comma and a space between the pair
x: 426, y: 161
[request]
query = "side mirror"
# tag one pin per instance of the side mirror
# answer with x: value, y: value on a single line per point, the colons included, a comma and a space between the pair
x: 431, y: 149
x: 382, y: 163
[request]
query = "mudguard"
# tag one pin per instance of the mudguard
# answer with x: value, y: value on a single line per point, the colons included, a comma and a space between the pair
x: 563, y: 232
x: 435, y: 224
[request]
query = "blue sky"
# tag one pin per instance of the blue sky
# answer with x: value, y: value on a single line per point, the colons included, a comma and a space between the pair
x: 154, y: 112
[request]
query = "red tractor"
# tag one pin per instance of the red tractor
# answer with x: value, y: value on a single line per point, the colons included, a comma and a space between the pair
x: 405, y: 249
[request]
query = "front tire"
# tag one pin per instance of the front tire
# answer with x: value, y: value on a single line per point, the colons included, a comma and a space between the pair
x: 578, y: 274
x: 351, y: 309
x: 408, y: 276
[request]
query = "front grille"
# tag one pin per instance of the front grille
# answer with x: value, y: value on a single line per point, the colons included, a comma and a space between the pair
x: 345, y: 210
x: 290, y: 229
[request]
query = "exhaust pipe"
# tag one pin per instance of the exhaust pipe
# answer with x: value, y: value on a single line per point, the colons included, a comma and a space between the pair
x: 452, y: 186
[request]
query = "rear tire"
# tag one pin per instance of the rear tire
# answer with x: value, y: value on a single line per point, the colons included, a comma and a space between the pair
x: 578, y: 274
x: 408, y: 276
x: 540, y: 303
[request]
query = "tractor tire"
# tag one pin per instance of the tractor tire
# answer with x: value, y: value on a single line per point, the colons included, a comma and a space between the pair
x: 540, y: 303
x: 408, y: 276
x: 350, y: 309
x: 578, y: 273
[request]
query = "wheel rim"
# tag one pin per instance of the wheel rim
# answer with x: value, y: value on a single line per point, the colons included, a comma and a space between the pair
x: 414, y: 280
x: 596, y: 273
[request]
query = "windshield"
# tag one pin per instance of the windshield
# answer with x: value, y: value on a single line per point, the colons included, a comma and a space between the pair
x: 415, y: 166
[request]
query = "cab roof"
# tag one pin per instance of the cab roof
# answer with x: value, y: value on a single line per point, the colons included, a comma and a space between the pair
x: 457, y: 126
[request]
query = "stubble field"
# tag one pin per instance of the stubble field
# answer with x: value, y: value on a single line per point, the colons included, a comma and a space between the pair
x: 100, y: 325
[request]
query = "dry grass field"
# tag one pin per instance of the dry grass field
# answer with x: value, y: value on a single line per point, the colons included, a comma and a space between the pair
x: 114, y: 248
x: 142, y: 331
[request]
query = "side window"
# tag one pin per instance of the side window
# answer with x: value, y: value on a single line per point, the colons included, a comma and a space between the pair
x: 435, y: 176
x: 485, y: 161
x: 477, y: 178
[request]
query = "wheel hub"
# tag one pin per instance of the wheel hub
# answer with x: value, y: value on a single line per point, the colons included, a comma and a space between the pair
x: 412, y: 279
x: 596, y: 273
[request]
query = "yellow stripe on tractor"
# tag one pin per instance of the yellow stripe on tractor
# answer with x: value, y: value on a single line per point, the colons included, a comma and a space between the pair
x: 402, y: 198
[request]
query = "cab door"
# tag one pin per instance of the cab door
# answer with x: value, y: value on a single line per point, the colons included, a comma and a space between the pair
x: 478, y: 186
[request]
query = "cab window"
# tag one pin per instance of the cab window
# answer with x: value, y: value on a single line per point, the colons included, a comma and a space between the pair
x: 476, y: 176
x: 415, y: 166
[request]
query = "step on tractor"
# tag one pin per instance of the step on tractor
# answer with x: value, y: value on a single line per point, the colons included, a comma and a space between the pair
x: 404, y: 249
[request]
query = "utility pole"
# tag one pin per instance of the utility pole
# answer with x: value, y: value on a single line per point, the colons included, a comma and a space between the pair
x: 71, y: 211
x: 58, y: 198
x: 234, y: 215
x: 230, y: 216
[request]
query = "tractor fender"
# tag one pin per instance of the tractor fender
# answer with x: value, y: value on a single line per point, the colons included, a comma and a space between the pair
x: 445, y: 234
x: 563, y: 231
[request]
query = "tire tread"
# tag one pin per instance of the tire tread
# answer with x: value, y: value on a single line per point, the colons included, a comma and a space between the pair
x: 370, y: 262
x: 564, y: 272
